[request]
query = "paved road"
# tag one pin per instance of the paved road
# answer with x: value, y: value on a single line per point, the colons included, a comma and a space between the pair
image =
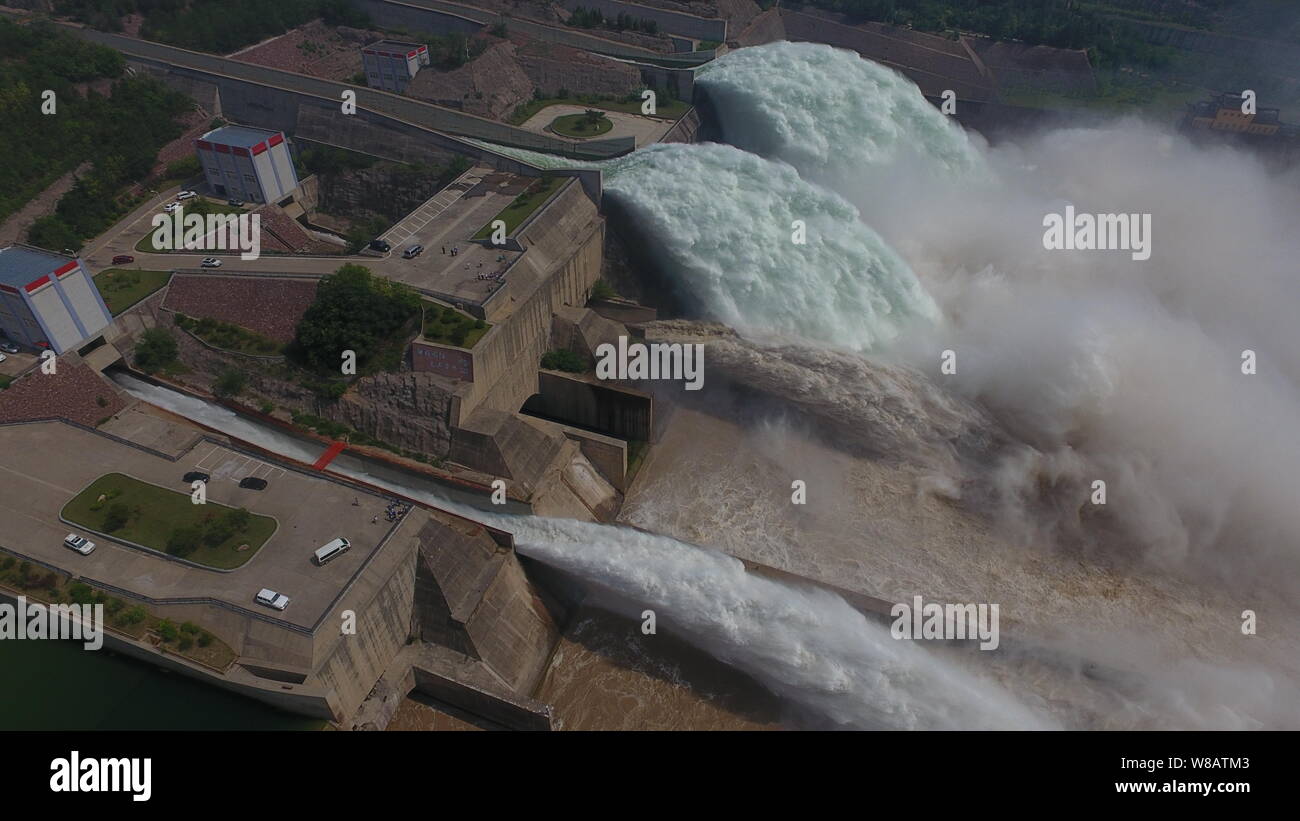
x: 52, y: 462
x: 449, y: 218
x: 415, y: 112
x: 558, y: 34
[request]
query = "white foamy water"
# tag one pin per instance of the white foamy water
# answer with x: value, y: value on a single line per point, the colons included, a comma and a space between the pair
x: 805, y: 644
x: 722, y: 222
x: 827, y: 111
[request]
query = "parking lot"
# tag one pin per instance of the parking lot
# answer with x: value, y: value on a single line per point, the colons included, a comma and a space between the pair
x: 47, y: 464
x: 225, y: 465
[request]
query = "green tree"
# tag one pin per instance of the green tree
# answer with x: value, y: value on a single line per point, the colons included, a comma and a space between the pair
x: 355, y: 311
x: 185, y: 540
x: 156, y: 350
x: 116, y: 518
x: 230, y: 382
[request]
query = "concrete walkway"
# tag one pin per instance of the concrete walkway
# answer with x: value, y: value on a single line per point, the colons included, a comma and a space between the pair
x: 644, y: 130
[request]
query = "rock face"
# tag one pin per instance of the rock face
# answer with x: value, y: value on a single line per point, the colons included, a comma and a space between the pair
x: 405, y: 409
x: 387, y: 189
x: 491, y: 86
x: 409, y: 410
x: 552, y: 67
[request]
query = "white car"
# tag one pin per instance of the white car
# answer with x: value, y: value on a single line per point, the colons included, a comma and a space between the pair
x: 171, y: 206
x: 185, y: 195
x: 270, y: 598
x: 79, y: 543
x: 3, y: 357
x: 211, y: 262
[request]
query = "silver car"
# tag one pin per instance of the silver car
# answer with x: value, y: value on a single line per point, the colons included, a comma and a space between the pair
x: 270, y: 598
x: 79, y: 543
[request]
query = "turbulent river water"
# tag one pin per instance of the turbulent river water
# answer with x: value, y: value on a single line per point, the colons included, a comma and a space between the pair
x: 973, y: 485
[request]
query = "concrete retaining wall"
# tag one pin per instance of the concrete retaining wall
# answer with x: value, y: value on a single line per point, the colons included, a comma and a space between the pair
x: 433, y: 21
x: 684, y: 130
x: 580, y: 401
x: 607, y: 454
x: 269, y: 98
x: 516, y: 714
x: 565, y: 244
x: 674, y: 22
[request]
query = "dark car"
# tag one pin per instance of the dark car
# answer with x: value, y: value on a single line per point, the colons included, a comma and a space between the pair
x: 123, y: 259
x: 413, y: 252
x: 253, y: 483
x: 196, y: 476
x: 235, y: 202
x: 380, y: 245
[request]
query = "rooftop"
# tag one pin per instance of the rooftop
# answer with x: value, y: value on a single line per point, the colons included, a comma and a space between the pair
x: 238, y: 135
x: 21, y: 264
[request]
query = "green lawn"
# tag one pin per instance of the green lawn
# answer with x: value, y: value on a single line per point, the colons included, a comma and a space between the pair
x: 534, y: 197
x: 199, y: 206
x: 441, y: 323
x: 157, y: 513
x: 123, y: 287
x: 665, y: 109
x: 578, y: 125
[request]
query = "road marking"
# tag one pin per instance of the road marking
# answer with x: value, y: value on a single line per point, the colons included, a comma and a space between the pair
x: 426, y: 209
x: 29, y: 478
x: 212, y: 450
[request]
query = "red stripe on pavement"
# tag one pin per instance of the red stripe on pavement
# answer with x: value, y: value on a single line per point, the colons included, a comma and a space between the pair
x: 329, y: 454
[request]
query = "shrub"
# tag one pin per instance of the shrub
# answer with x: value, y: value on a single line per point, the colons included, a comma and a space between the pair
x: 113, y: 605
x: 167, y: 630
x: 116, y: 518
x: 564, y: 360
x: 185, y: 643
x: 237, y: 519
x: 205, y: 638
x: 218, y: 533
x: 185, y: 540
x: 135, y: 615
x: 189, y: 628
x: 157, y: 350
x: 81, y: 593
x: 231, y: 382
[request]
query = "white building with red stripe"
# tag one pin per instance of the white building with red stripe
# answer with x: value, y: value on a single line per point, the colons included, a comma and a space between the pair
x: 248, y: 164
x: 48, y: 300
x: 390, y: 64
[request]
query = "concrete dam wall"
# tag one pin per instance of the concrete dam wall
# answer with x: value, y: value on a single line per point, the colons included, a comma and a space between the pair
x: 676, y: 22
x: 583, y: 401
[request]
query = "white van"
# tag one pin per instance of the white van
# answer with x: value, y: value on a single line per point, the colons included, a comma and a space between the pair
x: 329, y: 551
